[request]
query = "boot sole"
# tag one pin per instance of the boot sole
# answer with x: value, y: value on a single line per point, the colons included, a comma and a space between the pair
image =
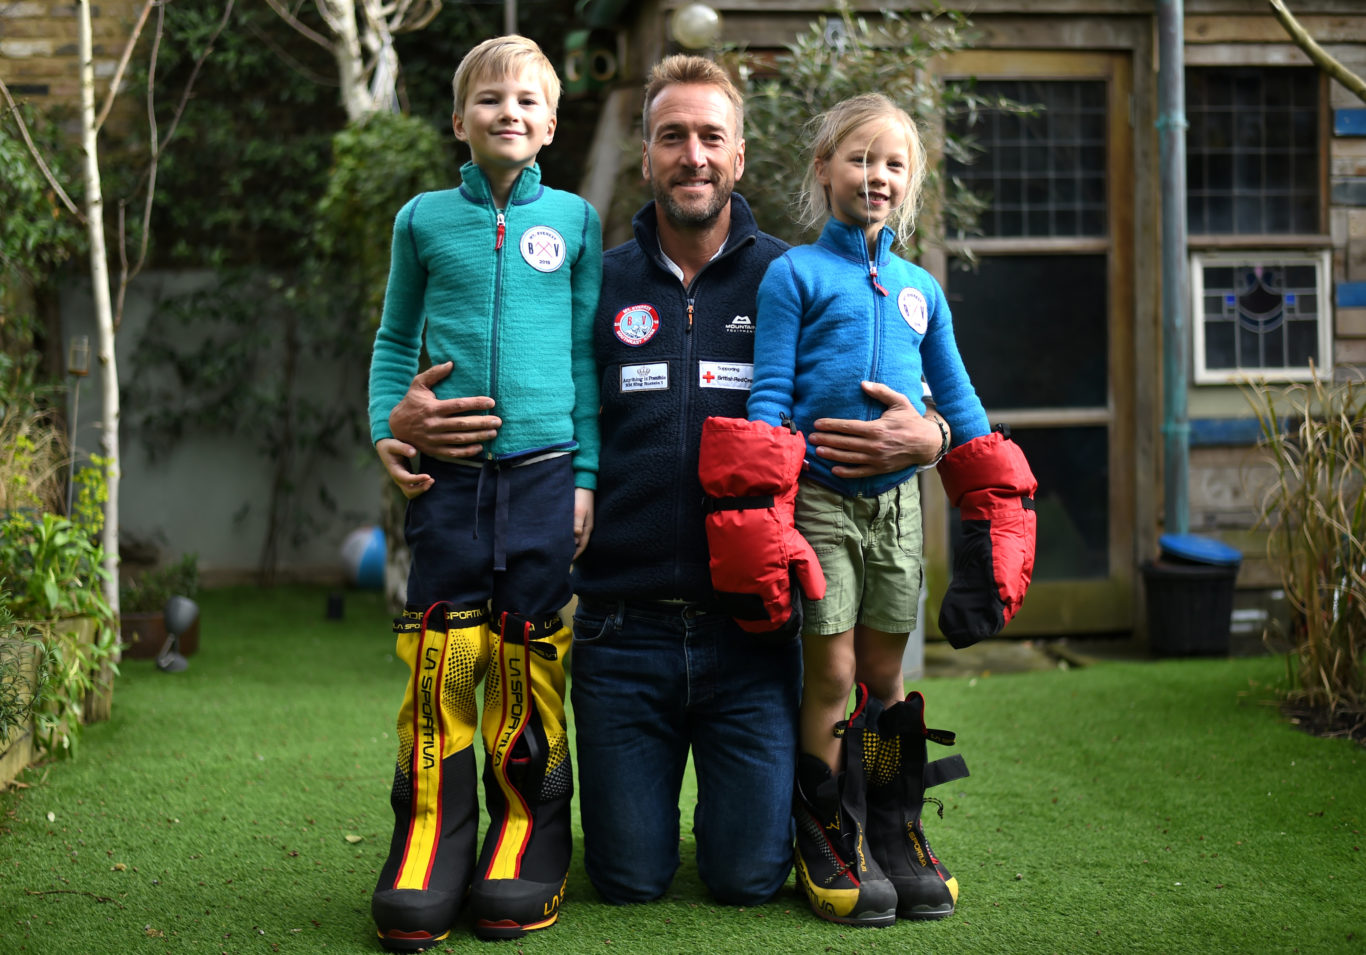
x: 494, y: 931
x: 398, y: 941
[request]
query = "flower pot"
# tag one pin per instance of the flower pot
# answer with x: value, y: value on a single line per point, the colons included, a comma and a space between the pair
x: 145, y: 633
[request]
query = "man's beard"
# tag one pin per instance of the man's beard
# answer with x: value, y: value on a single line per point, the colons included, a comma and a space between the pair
x: 693, y: 214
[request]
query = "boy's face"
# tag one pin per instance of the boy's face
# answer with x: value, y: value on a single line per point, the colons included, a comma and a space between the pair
x: 506, y: 120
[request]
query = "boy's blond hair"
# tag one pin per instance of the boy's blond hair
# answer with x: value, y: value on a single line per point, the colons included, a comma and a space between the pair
x: 684, y: 69
x: 830, y: 128
x: 502, y: 56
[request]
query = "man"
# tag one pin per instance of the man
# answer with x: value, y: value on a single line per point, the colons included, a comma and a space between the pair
x: 657, y: 671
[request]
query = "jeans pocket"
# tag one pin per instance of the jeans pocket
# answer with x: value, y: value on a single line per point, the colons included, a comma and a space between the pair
x: 591, y: 627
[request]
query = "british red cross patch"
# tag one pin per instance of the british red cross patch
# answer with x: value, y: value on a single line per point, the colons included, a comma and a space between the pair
x: 636, y: 324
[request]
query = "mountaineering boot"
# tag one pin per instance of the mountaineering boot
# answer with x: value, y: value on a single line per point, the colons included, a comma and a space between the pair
x: 528, y: 779
x: 841, y: 879
x: 899, y: 772
x: 435, y: 797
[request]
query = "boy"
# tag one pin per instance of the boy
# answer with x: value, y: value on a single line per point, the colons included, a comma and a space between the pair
x: 499, y: 277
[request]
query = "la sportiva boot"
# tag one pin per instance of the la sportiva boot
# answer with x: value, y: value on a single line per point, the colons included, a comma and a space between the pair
x: 835, y: 868
x: 528, y: 780
x: 899, y: 772
x: 435, y: 796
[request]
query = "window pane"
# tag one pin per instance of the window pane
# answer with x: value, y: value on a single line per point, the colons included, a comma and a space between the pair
x: 1252, y: 150
x: 1059, y: 154
x: 1259, y: 315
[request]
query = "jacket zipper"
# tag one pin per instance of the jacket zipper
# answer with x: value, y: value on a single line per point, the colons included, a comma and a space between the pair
x: 499, y: 234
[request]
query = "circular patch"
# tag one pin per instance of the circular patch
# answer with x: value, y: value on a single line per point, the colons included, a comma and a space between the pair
x: 913, y: 309
x: 636, y: 324
x: 543, y: 248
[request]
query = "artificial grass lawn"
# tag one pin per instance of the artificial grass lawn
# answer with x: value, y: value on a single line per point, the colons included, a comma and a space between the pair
x: 242, y: 806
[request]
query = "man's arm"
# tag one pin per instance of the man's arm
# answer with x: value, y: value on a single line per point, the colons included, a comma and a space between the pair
x: 443, y: 428
x: 901, y: 437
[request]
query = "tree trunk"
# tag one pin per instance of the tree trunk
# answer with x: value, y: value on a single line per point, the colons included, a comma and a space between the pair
x: 104, y: 312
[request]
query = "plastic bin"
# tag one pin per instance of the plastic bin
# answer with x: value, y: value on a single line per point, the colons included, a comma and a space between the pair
x: 1189, y: 592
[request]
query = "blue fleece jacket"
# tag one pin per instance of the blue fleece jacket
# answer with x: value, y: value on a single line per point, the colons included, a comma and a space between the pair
x: 661, y: 376
x: 828, y: 321
x: 508, y: 296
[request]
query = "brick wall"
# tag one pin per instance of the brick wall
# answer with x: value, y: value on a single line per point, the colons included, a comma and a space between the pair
x: 39, y: 47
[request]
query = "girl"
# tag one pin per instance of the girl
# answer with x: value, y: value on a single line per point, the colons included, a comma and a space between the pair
x: 831, y: 316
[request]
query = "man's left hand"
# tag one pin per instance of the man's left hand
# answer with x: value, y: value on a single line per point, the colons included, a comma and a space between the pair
x: 900, y: 438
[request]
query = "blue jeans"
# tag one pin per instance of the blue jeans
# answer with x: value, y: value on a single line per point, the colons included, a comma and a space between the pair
x: 649, y: 684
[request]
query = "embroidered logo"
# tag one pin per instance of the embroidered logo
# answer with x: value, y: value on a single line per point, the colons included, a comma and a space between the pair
x: 732, y: 375
x: 741, y: 323
x: 636, y: 324
x: 913, y: 309
x: 543, y: 248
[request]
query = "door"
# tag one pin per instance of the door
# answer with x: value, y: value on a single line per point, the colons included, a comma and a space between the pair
x: 1044, y: 322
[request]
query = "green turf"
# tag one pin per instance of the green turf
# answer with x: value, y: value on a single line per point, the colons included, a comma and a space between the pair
x: 242, y: 806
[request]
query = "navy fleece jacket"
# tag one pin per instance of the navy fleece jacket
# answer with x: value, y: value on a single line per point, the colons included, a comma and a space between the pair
x: 660, y: 377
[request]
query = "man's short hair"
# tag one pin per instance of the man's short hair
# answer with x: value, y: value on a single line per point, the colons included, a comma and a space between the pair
x: 502, y: 56
x: 683, y: 69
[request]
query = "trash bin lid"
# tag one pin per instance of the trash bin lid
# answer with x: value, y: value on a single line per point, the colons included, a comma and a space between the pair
x: 1203, y: 550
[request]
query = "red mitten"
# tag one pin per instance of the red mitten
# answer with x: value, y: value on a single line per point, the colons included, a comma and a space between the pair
x: 989, y: 481
x: 760, y: 564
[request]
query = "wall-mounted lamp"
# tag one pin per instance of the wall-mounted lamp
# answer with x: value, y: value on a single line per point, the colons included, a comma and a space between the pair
x: 695, y: 26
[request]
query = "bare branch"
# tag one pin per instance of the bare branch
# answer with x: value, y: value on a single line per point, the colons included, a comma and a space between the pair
x: 1321, y: 57
x: 38, y: 157
x: 299, y: 26
x: 117, y: 81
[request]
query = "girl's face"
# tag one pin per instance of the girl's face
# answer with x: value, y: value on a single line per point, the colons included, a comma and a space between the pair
x: 867, y: 175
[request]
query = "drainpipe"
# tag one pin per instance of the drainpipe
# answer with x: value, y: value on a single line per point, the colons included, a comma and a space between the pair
x: 1171, y: 132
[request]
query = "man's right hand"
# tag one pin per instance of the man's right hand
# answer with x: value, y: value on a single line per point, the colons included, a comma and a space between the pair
x: 442, y: 428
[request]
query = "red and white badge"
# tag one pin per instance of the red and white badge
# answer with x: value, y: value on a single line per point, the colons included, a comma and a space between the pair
x: 913, y: 308
x: 636, y: 324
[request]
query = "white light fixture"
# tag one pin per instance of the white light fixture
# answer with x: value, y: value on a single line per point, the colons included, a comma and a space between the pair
x: 695, y: 26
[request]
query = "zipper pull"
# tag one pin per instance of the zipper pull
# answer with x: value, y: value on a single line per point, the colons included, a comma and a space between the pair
x: 690, y: 315
x: 872, y: 274
x: 502, y: 231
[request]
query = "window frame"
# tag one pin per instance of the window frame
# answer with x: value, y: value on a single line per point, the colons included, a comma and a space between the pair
x: 1322, y: 259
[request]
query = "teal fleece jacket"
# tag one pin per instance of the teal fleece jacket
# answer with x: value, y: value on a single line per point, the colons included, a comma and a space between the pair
x: 509, y: 297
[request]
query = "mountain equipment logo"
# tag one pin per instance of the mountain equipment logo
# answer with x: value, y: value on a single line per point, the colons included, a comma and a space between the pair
x: 543, y: 248
x: 741, y: 323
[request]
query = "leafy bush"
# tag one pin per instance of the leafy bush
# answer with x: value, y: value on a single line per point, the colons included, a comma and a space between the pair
x: 24, y: 670
x: 149, y: 591
x: 1315, y: 511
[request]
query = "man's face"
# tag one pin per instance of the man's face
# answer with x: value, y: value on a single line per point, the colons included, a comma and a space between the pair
x: 693, y: 155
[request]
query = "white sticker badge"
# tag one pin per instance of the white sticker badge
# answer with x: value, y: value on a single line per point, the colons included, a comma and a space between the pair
x: 733, y: 375
x: 543, y: 248
x: 651, y: 377
x: 913, y: 309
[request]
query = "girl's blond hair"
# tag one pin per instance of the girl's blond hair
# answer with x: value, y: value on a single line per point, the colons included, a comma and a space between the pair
x: 831, y: 128
x: 502, y: 56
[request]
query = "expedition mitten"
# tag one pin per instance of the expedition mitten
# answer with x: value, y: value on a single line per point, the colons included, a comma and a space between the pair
x: 760, y: 564
x: 989, y: 481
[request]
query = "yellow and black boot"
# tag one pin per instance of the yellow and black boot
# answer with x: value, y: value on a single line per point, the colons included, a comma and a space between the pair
x: 435, y: 796
x: 528, y: 780
x: 835, y: 868
x: 899, y: 772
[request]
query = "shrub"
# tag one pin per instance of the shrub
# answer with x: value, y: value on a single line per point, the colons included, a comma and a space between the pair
x: 1315, y: 512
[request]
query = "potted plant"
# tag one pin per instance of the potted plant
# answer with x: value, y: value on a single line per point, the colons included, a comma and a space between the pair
x: 142, y: 605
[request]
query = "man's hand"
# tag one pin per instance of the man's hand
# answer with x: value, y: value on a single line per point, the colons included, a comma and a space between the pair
x: 583, y: 519
x: 901, y: 437
x: 396, y: 458
x: 443, y: 428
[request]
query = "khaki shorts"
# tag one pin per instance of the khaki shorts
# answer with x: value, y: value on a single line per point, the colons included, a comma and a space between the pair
x: 870, y: 551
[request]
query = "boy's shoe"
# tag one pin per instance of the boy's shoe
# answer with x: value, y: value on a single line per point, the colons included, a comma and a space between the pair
x: 835, y: 867
x: 528, y: 781
x: 434, y: 797
x: 898, y: 775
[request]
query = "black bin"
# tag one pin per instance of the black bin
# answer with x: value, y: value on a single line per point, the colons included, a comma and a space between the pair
x: 1190, y: 596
